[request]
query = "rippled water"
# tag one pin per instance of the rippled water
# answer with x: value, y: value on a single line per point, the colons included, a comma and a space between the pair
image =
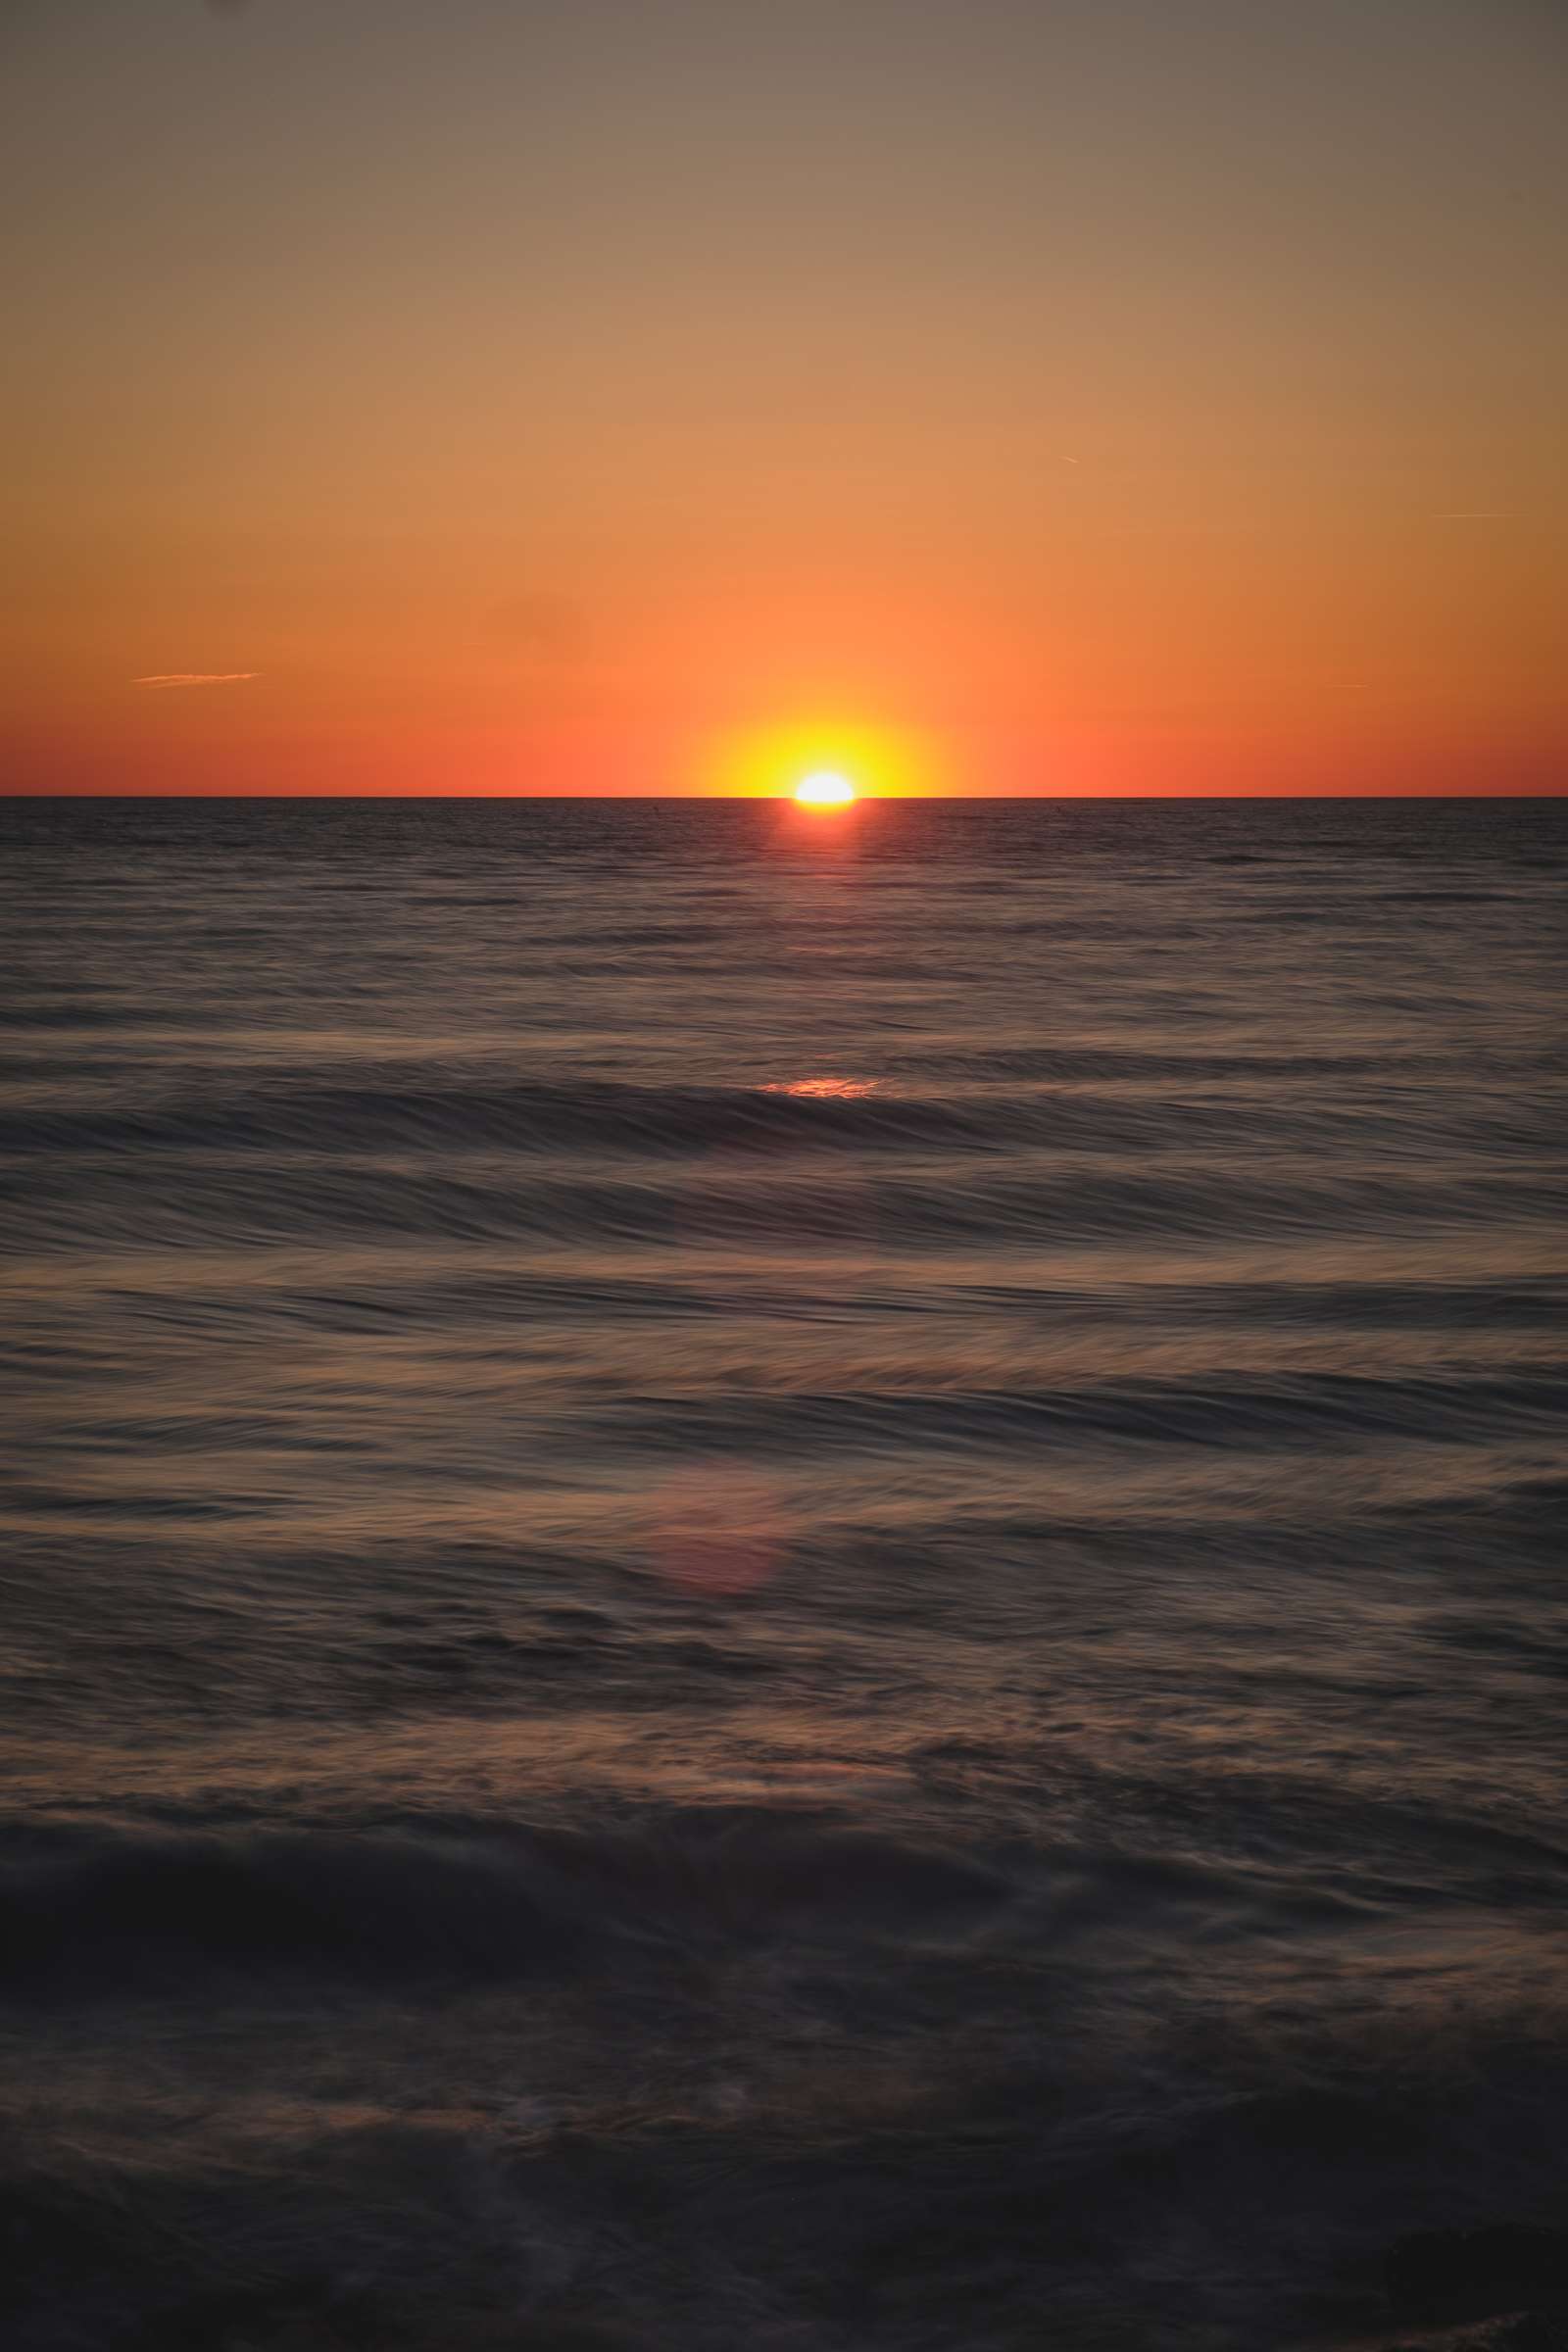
x: 775, y: 1579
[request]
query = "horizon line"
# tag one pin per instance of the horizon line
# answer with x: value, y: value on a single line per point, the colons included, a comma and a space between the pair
x: 735, y: 800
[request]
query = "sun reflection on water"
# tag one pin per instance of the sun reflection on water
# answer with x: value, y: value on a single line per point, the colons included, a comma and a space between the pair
x: 838, y: 1089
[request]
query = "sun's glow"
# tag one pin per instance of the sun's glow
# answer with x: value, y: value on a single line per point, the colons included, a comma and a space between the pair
x: 824, y: 789
x: 789, y: 760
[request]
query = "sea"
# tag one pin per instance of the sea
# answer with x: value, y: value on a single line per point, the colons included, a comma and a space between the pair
x: 780, y: 1581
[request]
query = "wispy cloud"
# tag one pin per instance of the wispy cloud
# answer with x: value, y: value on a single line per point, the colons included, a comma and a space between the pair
x: 197, y: 677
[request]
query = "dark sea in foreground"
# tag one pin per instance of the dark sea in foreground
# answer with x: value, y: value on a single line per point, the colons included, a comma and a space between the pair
x: 782, y: 1582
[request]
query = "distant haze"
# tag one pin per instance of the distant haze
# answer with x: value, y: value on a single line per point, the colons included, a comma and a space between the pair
x: 1123, y: 395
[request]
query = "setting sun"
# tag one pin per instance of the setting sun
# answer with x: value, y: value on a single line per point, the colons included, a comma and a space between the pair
x: 824, y: 790
x: 825, y: 760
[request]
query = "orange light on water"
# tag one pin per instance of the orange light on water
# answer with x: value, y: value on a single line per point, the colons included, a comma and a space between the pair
x: 717, y: 1531
x: 823, y: 1090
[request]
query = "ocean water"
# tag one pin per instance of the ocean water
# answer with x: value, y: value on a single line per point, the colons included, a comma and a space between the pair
x: 776, y: 1580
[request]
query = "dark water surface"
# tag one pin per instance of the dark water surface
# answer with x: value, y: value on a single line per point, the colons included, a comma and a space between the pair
x: 776, y: 1580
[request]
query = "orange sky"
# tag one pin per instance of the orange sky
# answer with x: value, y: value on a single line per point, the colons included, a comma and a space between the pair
x: 1092, y: 396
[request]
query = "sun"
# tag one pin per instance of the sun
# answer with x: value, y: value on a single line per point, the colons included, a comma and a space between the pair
x: 824, y: 788
x: 825, y: 762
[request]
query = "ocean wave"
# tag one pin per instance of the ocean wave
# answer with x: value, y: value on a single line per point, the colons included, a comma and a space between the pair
x: 1047, y: 1104
x: 740, y: 2075
x: 85, y: 1910
x: 154, y: 1202
x: 523, y: 1117
x: 1272, y: 1413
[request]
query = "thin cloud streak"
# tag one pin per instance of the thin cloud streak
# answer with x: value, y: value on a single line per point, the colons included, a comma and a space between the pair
x: 194, y: 677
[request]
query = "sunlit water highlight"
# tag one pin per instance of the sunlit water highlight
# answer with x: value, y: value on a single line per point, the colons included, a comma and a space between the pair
x: 772, y: 1584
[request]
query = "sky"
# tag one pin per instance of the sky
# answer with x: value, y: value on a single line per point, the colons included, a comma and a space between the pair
x: 1051, y: 396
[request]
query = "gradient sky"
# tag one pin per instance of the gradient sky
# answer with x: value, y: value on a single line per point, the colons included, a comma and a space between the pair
x: 493, y: 396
